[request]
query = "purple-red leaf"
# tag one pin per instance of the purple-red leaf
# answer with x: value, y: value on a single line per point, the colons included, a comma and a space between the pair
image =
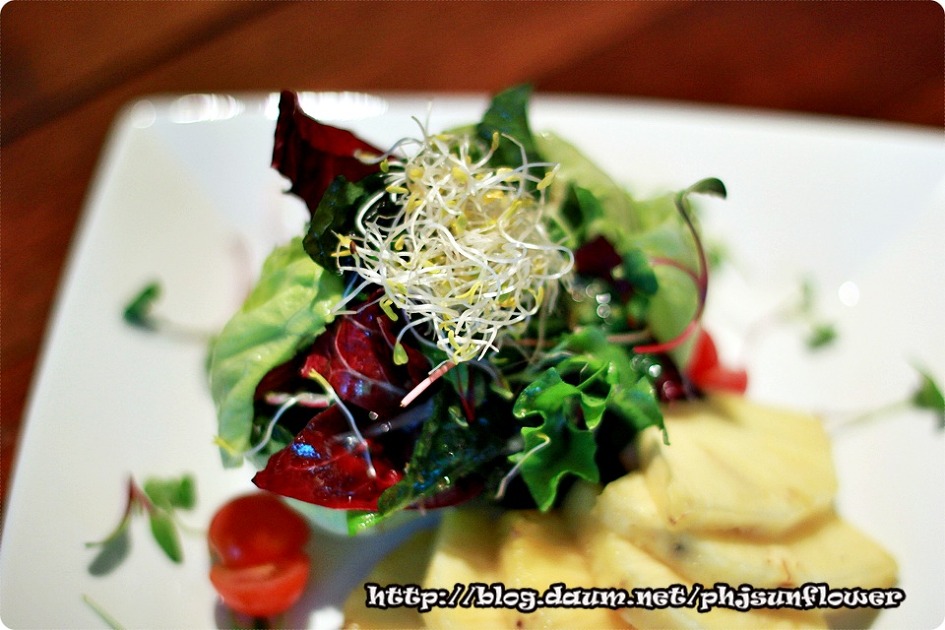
x: 355, y: 356
x: 320, y: 467
x: 325, y: 464
x: 597, y: 258
x: 311, y: 154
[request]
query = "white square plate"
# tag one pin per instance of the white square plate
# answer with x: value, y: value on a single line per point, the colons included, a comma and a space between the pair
x: 185, y: 195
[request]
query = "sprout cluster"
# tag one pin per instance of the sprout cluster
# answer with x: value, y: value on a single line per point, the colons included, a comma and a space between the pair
x: 463, y: 249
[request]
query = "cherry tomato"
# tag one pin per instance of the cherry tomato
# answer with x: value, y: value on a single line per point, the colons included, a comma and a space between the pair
x: 723, y: 379
x: 256, y: 529
x: 258, y: 546
x: 708, y: 373
x: 263, y: 590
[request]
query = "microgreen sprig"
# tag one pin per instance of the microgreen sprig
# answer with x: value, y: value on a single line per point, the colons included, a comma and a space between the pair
x: 821, y: 333
x: 141, y: 312
x: 928, y: 396
x: 801, y: 310
x: 103, y: 614
x: 700, y: 276
x: 925, y: 396
x: 159, y: 499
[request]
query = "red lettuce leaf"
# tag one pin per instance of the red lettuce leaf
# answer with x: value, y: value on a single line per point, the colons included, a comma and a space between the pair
x: 320, y: 467
x: 311, y: 154
x: 323, y: 465
x: 355, y: 356
x: 597, y: 258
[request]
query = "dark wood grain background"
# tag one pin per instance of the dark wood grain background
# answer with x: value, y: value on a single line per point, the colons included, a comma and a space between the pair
x: 67, y: 67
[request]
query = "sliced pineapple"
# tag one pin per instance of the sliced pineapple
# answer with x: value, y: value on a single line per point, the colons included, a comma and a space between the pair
x: 834, y: 551
x: 824, y: 549
x: 736, y: 466
x: 627, y: 508
x: 466, y: 552
x: 618, y: 562
x: 539, y: 550
x: 519, y: 550
x: 705, y: 511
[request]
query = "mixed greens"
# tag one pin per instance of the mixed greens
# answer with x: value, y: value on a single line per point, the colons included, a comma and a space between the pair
x: 479, y: 312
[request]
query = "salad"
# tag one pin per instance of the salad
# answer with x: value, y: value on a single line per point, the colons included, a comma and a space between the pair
x: 472, y: 314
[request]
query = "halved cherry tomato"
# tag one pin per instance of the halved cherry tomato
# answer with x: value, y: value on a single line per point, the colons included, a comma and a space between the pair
x: 264, y: 590
x: 258, y: 546
x: 708, y: 374
x: 256, y: 529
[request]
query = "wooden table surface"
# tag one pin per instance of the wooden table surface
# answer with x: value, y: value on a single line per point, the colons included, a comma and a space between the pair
x: 67, y: 68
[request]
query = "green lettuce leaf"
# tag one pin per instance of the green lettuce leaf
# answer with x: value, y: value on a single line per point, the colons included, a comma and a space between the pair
x: 581, y: 210
x: 630, y: 394
x: 602, y: 201
x: 597, y: 205
x: 508, y: 116
x: 550, y: 391
x: 638, y: 271
x: 593, y: 205
x: 289, y: 306
x: 335, y: 215
x: 571, y: 398
x: 558, y: 447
